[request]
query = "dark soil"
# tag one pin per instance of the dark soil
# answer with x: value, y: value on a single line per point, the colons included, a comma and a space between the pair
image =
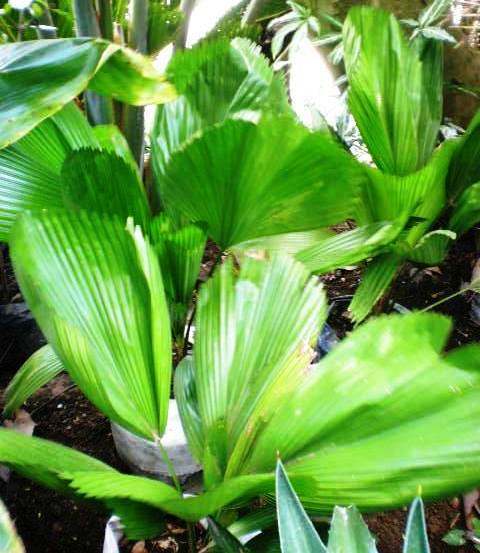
x: 49, y: 523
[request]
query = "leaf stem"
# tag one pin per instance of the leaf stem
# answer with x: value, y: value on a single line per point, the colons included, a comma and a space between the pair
x: 135, y: 116
x: 99, y: 108
x: 46, y: 27
x: 187, y: 7
x: 170, y: 467
x: 447, y: 298
x: 105, y: 18
x: 252, y: 12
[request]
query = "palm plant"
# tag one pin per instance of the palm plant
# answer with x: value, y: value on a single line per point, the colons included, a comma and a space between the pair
x: 395, y: 96
x: 243, y: 396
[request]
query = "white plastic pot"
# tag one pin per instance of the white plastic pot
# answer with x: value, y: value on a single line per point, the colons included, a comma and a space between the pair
x: 143, y: 457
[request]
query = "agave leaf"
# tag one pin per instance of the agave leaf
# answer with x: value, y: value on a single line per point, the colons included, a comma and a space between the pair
x: 9, y: 540
x: 395, y: 91
x: 432, y: 247
x: 225, y: 541
x: 348, y: 532
x: 30, y: 168
x: 467, y: 210
x: 216, y: 80
x: 39, y: 77
x: 100, y: 181
x: 465, y: 168
x: 39, y: 369
x: 297, y: 533
x: 350, y: 247
x: 376, y: 280
x: 247, y: 181
x: 106, y: 317
x: 416, y: 539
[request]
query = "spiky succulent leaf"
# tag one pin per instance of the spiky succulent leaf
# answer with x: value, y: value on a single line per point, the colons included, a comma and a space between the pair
x: 224, y: 541
x: 416, y: 538
x: 297, y: 533
x: 348, y: 532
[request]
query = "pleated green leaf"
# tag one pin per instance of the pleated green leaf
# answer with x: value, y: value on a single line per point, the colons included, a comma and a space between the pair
x: 350, y: 247
x: 398, y: 411
x: 180, y: 253
x: 216, y: 80
x: 465, y: 167
x: 395, y: 89
x: 416, y: 538
x: 222, y: 79
x: 95, y: 180
x: 349, y: 533
x: 247, y: 181
x: 44, y: 461
x: 419, y: 194
x: 9, y: 540
x: 297, y: 533
x: 156, y: 494
x: 111, y: 139
x: 432, y: 247
x: 39, y: 369
x: 235, y: 325
x: 38, y: 78
x: 466, y: 213
x: 106, y: 316
x: 30, y: 168
x: 289, y: 243
x: 376, y: 280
